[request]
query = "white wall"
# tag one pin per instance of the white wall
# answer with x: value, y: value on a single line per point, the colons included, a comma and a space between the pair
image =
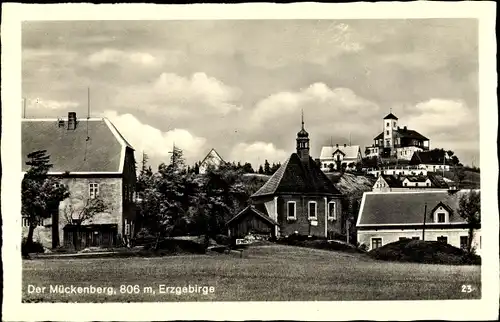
x: 434, y: 167
x: 390, y: 236
x: 407, y: 152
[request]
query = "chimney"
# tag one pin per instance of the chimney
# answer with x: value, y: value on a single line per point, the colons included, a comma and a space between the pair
x: 337, y: 145
x: 405, y: 127
x: 345, y: 145
x: 71, y: 120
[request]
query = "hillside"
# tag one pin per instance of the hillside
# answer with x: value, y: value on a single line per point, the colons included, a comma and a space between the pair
x: 472, y: 179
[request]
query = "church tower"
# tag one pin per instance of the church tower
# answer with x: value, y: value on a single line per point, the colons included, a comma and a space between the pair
x: 390, y: 128
x: 303, y: 142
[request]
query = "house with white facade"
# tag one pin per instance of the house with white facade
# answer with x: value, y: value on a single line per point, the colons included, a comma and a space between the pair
x: 386, y: 183
x: 212, y: 159
x: 386, y: 217
x: 333, y: 157
x: 432, y: 161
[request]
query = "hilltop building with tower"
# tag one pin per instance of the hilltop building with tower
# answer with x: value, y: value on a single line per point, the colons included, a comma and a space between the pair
x: 397, y: 142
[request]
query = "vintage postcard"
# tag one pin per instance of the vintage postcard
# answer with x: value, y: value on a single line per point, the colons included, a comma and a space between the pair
x: 253, y: 161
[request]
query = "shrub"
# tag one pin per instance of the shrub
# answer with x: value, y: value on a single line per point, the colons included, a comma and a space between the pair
x: 428, y: 252
x: 36, y: 247
x: 223, y: 240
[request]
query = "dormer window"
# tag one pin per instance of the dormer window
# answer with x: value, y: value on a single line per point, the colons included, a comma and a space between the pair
x: 441, y: 217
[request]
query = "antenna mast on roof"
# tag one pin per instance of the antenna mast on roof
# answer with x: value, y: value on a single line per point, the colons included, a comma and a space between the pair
x: 88, y: 111
x: 24, y: 107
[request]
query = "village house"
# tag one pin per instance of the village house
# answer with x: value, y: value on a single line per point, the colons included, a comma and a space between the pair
x: 432, y: 161
x: 396, y: 142
x: 386, y: 217
x: 386, y: 183
x: 297, y: 199
x: 396, y: 170
x: 335, y: 157
x: 93, y: 159
x: 212, y: 159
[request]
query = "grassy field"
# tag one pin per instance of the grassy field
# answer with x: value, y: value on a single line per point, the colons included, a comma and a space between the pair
x: 265, y: 273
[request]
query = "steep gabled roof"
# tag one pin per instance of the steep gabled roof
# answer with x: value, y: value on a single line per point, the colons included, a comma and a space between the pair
x: 380, y: 136
x: 212, y: 154
x: 70, y: 150
x: 390, y: 116
x: 416, y: 178
x: 251, y: 209
x: 392, y: 181
x: 394, y: 208
x: 297, y: 177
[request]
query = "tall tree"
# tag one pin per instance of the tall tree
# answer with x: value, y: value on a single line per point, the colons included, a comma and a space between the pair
x: 469, y: 208
x: 247, y: 168
x: 267, y: 167
x: 41, y: 194
x: 261, y: 169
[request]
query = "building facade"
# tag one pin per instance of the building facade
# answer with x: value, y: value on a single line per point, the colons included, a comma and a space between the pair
x: 397, y: 142
x: 94, y: 161
x: 299, y: 197
x: 212, y: 159
x: 386, y: 217
x: 336, y: 157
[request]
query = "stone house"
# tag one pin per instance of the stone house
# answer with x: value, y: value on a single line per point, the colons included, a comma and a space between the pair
x: 298, y: 197
x: 93, y: 159
x: 386, y: 217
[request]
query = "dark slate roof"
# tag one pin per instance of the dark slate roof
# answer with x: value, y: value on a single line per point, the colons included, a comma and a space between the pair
x: 429, y: 157
x: 69, y: 150
x: 392, y: 181
x: 437, y: 181
x: 409, y: 134
x: 405, y: 207
x: 405, y: 134
x: 390, y: 116
x: 254, y: 211
x: 416, y: 178
x: 297, y: 177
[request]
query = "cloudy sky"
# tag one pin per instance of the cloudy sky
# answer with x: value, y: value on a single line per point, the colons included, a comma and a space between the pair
x: 239, y: 86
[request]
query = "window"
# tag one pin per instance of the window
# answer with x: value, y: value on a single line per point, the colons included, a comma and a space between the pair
x: 415, y: 238
x: 331, y: 210
x: 406, y: 184
x: 427, y: 184
x: 443, y: 239
x: 25, y: 222
x: 464, y: 241
x: 312, y: 209
x: 387, y: 132
x: 388, y: 124
x: 394, y: 124
x: 127, y: 228
x: 376, y: 243
x: 416, y: 184
x: 93, y: 190
x: 441, y: 217
x: 291, y: 210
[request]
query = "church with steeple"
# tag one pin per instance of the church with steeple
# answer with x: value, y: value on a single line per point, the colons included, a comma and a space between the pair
x: 297, y: 199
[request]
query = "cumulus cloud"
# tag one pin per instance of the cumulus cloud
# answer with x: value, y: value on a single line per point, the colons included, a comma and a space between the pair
x: 197, y: 94
x: 114, y: 56
x: 154, y: 142
x: 257, y: 152
x: 441, y: 115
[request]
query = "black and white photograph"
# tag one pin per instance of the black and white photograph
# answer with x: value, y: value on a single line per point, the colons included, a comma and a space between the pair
x: 287, y: 158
